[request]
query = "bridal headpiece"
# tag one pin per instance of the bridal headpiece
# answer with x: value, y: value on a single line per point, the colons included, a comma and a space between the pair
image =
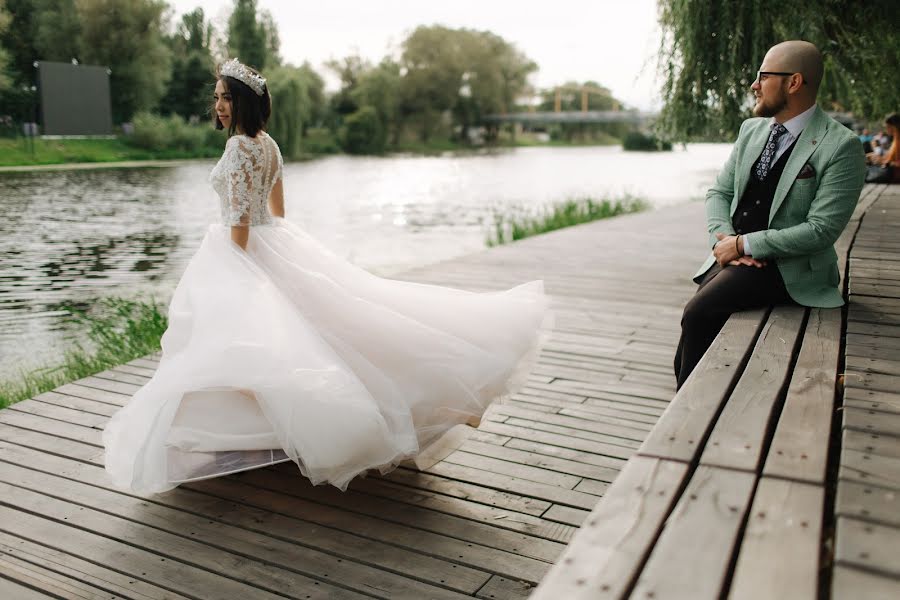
x: 234, y: 68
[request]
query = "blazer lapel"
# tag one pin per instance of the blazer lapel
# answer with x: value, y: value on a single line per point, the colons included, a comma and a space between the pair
x: 754, y: 148
x: 810, y: 139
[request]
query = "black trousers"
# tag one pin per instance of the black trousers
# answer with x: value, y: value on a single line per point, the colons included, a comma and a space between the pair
x: 723, y: 291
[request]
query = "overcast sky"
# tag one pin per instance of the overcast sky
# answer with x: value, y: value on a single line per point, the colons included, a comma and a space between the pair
x: 613, y: 42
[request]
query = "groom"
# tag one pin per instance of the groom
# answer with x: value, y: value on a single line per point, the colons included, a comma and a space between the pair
x: 778, y: 205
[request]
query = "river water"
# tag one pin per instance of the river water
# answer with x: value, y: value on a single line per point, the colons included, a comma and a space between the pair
x: 69, y: 237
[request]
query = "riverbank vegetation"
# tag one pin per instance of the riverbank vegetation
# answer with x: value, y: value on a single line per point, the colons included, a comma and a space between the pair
x: 637, y: 141
x: 162, y: 76
x: 517, y: 225
x: 117, y: 330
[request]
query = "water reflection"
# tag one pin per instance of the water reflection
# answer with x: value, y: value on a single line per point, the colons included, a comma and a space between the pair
x: 70, y: 237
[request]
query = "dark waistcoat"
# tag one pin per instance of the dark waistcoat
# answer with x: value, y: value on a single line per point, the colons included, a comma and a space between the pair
x: 752, y: 213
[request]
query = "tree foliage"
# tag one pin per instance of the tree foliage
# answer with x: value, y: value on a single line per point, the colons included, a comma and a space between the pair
x: 711, y: 50
x: 363, y: 132
x: 57, y: 30
x: 4, y: 56
x: 468, y: 72
x: 253, y: 36
x: 190, y: 88
x: 127, y: 36
x: 292, y: 107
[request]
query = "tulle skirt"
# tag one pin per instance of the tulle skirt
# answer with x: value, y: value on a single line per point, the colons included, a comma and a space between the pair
x: 288, y: 352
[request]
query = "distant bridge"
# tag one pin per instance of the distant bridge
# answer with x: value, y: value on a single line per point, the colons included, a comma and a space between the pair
x: 589, y: 116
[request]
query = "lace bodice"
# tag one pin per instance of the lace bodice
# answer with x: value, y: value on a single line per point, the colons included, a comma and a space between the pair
x: 244, y: 176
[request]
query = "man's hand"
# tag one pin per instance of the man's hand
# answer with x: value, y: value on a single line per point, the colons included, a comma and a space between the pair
x: 726, y: 250
x: 749, y: 262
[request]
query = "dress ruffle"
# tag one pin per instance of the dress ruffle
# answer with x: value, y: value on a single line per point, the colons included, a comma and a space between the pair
x: 288, y: 352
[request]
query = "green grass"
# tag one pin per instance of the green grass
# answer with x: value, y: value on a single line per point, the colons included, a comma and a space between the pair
x: 119, y: 330
x: 17, y: 152
x: 509, y: 228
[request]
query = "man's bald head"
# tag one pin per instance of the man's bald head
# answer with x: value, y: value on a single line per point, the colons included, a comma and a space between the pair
x: 797, y: 56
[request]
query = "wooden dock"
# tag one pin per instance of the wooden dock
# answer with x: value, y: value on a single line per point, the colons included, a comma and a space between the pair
x: 486, y: 521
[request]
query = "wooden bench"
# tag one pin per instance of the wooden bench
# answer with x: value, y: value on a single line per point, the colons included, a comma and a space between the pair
x: 867, y: 504
x: 727, y: 495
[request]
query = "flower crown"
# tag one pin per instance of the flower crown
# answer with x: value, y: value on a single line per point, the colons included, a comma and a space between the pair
x: 234, y: 68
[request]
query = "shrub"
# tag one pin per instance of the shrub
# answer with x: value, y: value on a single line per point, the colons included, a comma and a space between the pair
x: 637, y: 141
x: 363, y: 133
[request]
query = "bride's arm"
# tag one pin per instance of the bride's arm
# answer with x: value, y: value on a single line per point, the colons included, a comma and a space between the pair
x: 276, y: 199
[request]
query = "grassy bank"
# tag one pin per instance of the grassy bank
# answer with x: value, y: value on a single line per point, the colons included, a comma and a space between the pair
x: 18, y: 152
x: 119, y: 330
x: 511, y: 227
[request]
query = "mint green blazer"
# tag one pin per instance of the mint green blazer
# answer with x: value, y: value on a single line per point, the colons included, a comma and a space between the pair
x: 807, y: 215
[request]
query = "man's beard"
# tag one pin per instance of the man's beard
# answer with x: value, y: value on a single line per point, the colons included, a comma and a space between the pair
x: 772, y: 108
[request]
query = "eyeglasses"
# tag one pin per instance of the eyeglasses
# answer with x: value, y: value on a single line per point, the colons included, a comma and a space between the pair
x: 761, y: 74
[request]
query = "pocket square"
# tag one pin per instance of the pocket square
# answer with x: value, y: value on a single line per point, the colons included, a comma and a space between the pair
x: 806, y: 172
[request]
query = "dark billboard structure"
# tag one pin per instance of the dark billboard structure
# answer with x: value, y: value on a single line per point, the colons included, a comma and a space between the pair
x: 74, y: 99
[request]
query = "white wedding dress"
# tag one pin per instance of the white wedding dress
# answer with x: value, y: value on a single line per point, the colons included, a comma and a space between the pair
x: 288, y: 352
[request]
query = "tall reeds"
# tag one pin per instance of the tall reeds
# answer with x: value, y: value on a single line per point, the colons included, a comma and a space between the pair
x: 117, y: 330
x: 511, y: 227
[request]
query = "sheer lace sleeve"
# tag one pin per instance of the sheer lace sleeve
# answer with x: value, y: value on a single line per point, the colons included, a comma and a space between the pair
x: 240, y: 163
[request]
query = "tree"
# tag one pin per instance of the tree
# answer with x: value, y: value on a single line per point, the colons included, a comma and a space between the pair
x: 460, y: 71
x: 433, y: 68
x: 291, y: 108
x: 190, y: 88
x: 379, y: 88
x: 57, y: 30
x: 127, y: 36
x: 17, y: 40
x: 272, y: 39
x: 253, y: 39
x: 362, y: 132
x: 315, y: 91
x: 349, y: 70
x: 711, y: 50
x: 496, y: 75
x: 5, y: 18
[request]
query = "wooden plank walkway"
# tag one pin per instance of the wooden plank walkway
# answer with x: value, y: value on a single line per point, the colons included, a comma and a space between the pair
x: 867, y: 506
x: 487, y: 521
x: 730, y: 495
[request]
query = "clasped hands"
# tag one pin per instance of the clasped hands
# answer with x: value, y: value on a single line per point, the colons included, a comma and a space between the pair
x: 728, y: 251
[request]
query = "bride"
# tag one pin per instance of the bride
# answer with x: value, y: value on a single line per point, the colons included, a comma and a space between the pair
x: 279, y: 350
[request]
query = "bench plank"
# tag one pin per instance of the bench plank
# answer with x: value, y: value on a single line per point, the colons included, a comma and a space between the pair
x: 799, y: 449
x: 687, y: 420
x: 779, y: 554
x: 740, y: 433
x: 872, y: 422
x: 868, y: 502
x: 869, y: 443
x: 606, y: 554
x: 706, y: 520
x: 847, y: 583
x: 870, y: 468
x: 867, y: 545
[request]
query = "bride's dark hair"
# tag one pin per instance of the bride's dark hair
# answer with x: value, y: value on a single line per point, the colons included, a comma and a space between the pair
x: 249, y: 111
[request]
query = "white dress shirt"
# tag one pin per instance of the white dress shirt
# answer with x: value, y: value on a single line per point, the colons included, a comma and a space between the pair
x: 794, y: 128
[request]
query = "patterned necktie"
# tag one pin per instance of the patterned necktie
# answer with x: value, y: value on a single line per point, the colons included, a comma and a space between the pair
x: 768, y: 153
